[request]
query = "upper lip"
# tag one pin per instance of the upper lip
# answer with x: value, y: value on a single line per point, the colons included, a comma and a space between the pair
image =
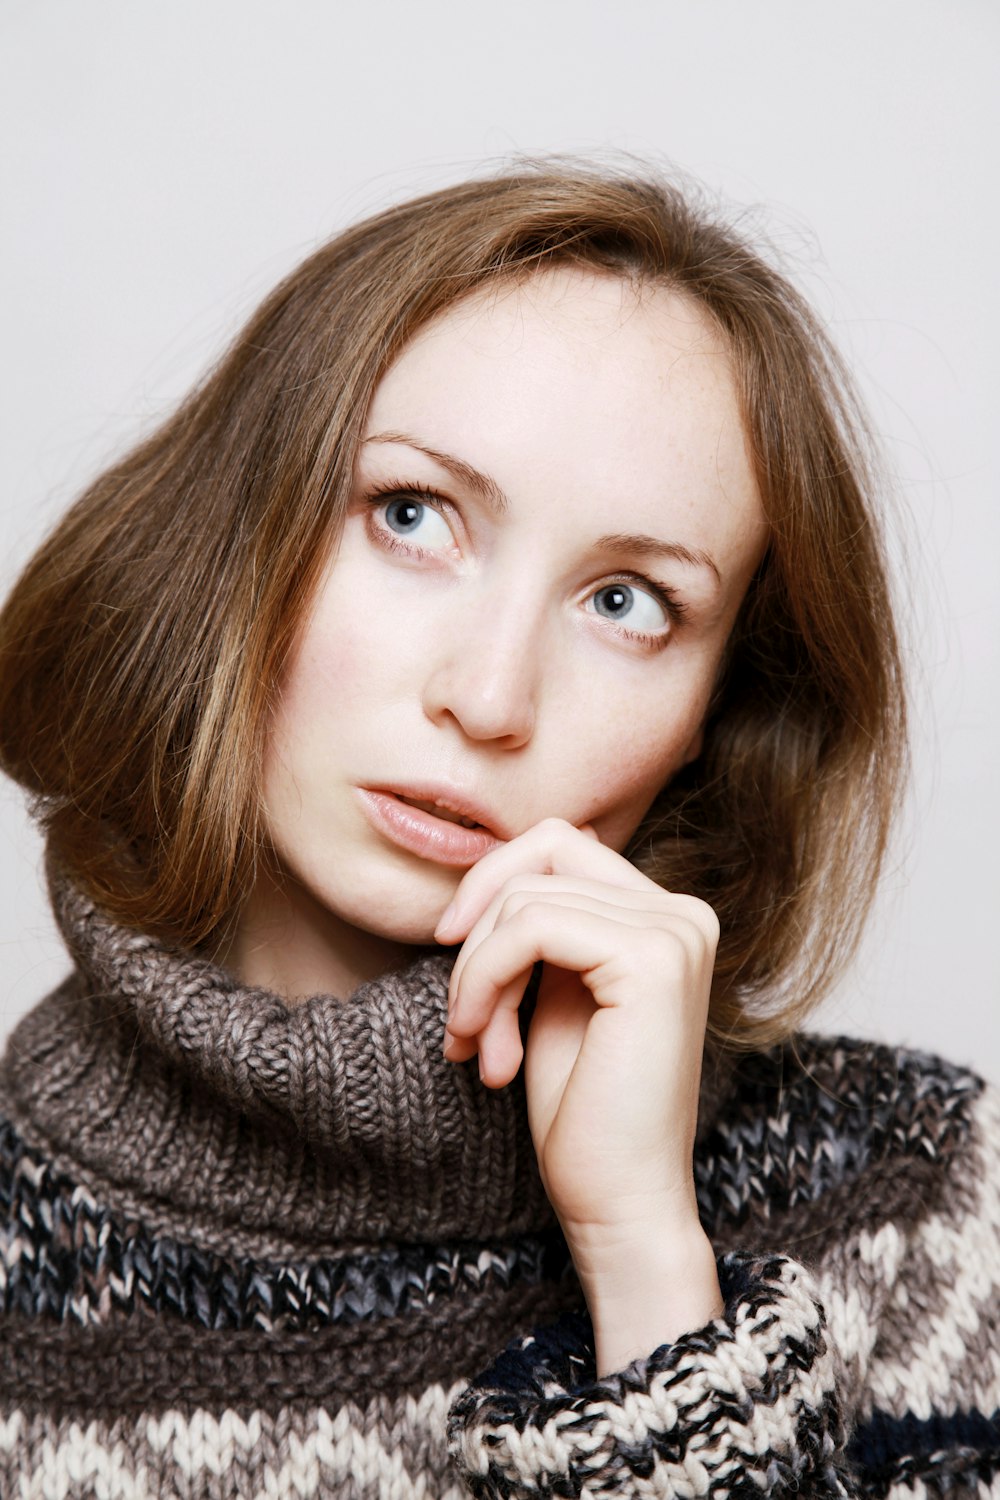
x: 451, y: 800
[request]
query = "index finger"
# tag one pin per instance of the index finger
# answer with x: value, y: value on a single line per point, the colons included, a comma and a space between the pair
x: 551, y: 847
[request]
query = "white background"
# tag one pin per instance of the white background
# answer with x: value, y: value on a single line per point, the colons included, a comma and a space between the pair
x: 164, y: 163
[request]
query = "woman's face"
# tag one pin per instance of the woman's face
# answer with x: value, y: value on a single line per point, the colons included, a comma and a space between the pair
x: 532, y: 614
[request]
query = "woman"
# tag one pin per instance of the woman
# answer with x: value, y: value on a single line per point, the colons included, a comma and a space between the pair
x: 491, y: 661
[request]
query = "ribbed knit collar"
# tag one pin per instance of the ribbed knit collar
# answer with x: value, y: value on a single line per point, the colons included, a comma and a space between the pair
x: 216, y: 1110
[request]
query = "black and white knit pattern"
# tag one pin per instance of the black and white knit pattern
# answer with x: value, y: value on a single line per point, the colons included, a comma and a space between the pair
x: 746, y: 1405
x: 877, y: 1375
x: 84, y: 1268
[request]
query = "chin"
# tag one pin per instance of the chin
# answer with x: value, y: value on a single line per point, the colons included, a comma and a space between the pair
x: 416, y: 930
x: 404, y: 915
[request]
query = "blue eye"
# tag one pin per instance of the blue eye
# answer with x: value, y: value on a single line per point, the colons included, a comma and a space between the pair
x: 403, y: 515
x: 409, y: 517
x: 633, y: 607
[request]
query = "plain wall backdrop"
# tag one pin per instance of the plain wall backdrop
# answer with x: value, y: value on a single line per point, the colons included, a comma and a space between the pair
x: 164, y: 164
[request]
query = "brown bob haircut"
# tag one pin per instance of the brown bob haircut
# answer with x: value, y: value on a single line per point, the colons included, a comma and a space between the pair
x: 142, y: 649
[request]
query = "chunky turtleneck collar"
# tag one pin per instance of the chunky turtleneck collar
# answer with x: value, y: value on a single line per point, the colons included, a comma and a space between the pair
x: 210, y: 1108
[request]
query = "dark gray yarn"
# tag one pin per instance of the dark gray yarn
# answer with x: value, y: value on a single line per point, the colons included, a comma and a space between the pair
x: 336, y: 1121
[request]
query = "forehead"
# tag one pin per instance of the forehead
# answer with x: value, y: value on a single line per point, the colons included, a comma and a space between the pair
x: 579, y: 384
x: 570, y: 321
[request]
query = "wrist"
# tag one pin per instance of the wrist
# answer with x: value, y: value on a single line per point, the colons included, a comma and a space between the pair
x: 645, y: 1286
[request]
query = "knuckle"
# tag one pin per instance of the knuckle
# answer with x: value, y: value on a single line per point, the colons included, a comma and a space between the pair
x: 521, y: 906
x: 529, y: 910
x: 671, y: 950
x: 702, y: 917
x: 510, y: 897
x: 512, y: 903
x: 682, y: 951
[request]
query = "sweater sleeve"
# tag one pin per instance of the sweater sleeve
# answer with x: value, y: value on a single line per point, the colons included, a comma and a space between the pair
x: 745, y: 1406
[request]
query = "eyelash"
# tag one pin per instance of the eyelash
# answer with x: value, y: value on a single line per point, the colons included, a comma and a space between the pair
x: 675, y: 608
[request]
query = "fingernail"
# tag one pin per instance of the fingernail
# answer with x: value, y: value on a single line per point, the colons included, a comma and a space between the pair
x: 449, y: 1042
x: 446, y: 918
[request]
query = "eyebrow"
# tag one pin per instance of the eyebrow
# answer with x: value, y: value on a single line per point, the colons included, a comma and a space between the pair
x: 481, y: 484
x: 637, y: 543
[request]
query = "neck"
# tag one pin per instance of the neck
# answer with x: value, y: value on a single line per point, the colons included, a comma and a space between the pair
x: 287, y: 942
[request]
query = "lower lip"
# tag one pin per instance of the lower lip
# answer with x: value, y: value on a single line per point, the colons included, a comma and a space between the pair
x: 422, y: 833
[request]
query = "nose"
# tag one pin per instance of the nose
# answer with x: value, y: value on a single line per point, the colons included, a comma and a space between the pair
x: 486, y: 675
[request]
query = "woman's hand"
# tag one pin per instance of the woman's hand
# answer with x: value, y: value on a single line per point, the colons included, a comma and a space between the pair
x: 613, y: 1059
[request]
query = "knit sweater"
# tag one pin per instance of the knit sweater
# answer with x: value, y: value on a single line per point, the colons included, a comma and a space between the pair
x: 249, y: 1249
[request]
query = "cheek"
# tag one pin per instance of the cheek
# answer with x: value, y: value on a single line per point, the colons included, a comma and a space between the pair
x: 334, y: 676
x: 326, y: 689
x: 328, y: 678
x: 621, y: 773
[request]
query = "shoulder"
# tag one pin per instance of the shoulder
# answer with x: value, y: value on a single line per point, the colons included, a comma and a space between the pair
x: 867, y: 1128
x: 896, y: 1099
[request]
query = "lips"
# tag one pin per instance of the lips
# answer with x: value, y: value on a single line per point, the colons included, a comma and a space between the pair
x: 423, y: 826
x: 453, y: 807
x: 441, y: 812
